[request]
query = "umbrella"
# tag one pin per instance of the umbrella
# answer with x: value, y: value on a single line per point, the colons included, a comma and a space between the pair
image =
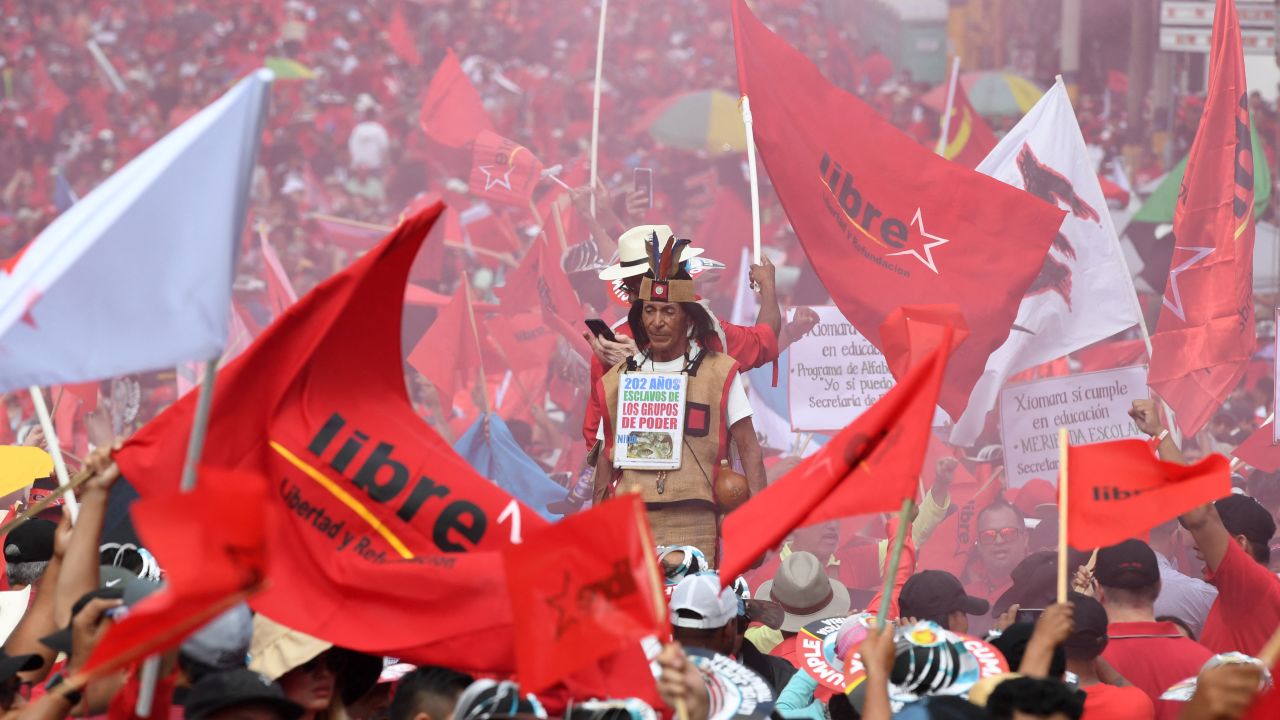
x: 289, y: 69
x: 991, y: 93
x: 701, y: 120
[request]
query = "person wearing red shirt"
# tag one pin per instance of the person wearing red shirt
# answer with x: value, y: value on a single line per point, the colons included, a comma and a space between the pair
x: 1233, y: 537
x: 1151, y: 655
x: 1110, y: 699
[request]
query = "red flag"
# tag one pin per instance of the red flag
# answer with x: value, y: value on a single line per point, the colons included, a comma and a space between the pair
x: 1205, y: 335
x: 884, y: 221
x: 487, y: 232
x: 452, y: 114
x: 280, y: 294
x: 1119, y: 490
x: 401, y: 39
x: 349, y: 234
x: 211, y: 542
x: 969, y: 138
x: 450, y: 348
x: 519, y: 342
x: 1260, y: 450
x: 870, y: 466
x: 316, y: 410
x: 1266, y: 706
x: 582, y: 590
x: 726, y: 229
x: 541, y: 279
x: 503, y: 170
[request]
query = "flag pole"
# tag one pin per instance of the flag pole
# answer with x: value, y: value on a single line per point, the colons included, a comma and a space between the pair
x: 471, y: 316
x: 894, y: 556
x: 55, y: 450
x: 195, y: 442
x: 754, y: 175
x: 1063, y: 439
x: 595, y: 103
x: 951, y: 99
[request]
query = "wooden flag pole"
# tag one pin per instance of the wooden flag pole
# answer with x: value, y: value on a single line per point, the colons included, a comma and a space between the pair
x: 754, y: 176
x: 1271, y: 651
x: 595, y: 103
x: 471, y: 316
x: 951, y: 99
x: 48, y: 500
x: 1063, y: 438
x: 55, y: 450
x: 895, y: 555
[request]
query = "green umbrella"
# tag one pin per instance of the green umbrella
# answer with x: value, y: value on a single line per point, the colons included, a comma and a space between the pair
x: 289, y: 69
x: 1158, y: 208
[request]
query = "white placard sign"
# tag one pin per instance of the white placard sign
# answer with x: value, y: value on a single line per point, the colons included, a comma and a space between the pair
x: 834, y: 374
x: 649, y: 434
x: 1094, y: 407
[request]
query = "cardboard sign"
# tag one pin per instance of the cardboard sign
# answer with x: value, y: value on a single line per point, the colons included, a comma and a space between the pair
x: 1094, y: 407
x: 650, y: 427
x: 834, y: 374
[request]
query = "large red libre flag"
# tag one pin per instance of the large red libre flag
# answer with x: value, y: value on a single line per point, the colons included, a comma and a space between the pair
x: 1119, y: 490
x: 452, y: 113
x: 582, y: 590
x: 503, y: 170
x: 382, y: 517
x: 1205, y: 335
x: 870, y: 466
x: 884, y: 221
x: 211, y: 543
x: 969, y: 138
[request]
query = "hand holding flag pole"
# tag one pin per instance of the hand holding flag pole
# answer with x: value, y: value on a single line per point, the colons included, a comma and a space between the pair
x: 895, y: 555
x: 55, y: 450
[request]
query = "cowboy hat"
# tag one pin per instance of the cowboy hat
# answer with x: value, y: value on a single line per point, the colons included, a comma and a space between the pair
x: 805, y: 592
x: 633, y: 254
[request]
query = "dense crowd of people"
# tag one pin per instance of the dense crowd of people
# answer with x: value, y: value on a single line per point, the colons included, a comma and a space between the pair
x: 90, y: 85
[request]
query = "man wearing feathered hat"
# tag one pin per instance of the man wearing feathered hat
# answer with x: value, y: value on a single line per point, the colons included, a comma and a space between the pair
x: 674, y: 334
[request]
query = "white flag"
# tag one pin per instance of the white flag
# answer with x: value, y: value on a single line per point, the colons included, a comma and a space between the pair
x: 137, y: 275
x: 1084, y: 293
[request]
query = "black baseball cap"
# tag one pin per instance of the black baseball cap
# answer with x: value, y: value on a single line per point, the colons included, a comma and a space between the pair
x: 32, y: 541
x: 221, y: 691
x: 1035, y: 583
x: 1131, y: 565
x: 1242, y: 515
x: 935, y: 594
x: 1089, y: 638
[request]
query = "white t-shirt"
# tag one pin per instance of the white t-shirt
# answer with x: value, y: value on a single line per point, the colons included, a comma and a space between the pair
x: 368, y: 145
x: 737, y: 408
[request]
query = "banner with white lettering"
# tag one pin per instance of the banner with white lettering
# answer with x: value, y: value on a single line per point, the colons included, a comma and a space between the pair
x: 834, y: 374
x: 1094, y: 407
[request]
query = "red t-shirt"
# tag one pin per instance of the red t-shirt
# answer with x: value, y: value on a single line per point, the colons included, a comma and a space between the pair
x: 1247, y: 610
x: 1153, y: 656
x: 1108, y: 702
x: 750, y: 347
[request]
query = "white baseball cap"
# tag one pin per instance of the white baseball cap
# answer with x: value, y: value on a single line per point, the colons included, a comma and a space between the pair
x: 699, y: 602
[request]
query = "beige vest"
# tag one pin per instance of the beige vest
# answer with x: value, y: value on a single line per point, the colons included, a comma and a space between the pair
x: 706, y: 435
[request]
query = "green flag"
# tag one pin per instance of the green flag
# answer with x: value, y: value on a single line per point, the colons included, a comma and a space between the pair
x: 1159, y: 207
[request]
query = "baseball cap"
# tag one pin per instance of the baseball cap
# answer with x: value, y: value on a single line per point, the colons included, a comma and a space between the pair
x: 221, y: 691
x: 61, y: 640
x: 1129, y: 565
x: 937, y: 593
x: 1243, y: 515
x: 488, y: 699
x: 699, y: 603
x: 223, y: 642
x: 114, y: 584
x: 32, y: 541
x: 1089, y: 637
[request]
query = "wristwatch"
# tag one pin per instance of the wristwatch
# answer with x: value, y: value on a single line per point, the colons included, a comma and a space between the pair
x: 72, y: 696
